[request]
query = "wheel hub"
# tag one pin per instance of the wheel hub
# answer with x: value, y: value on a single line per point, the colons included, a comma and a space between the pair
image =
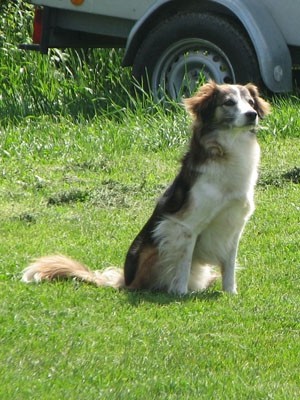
x: 186, y: 64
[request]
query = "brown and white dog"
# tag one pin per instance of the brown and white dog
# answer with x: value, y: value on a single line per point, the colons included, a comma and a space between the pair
x: 198, y: 221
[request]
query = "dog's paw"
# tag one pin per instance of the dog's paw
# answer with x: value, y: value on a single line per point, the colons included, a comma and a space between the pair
x: 230, y: 290
x: 178, y: 290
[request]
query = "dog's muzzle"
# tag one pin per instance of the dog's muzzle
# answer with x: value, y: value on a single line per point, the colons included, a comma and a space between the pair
x: 251, y: 117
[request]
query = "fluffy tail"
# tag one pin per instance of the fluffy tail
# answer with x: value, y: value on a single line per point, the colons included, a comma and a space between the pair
x: 58, y: 267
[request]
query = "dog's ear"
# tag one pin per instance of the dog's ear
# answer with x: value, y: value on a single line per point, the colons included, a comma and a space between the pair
x: 201, y: 106
x: 260, y: 105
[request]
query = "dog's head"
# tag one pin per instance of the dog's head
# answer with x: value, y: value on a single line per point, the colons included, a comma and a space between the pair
x: 233, y: 106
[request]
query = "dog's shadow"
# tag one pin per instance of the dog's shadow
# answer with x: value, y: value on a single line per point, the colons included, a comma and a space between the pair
x: 138, y: 297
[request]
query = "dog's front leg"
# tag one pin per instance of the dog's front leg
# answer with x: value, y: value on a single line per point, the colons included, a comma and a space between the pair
x: 177, y: 266
x: 176, y: 244
x: 228, y: 271
x: 179, y: 281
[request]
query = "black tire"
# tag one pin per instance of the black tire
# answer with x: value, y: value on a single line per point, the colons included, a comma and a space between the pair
x: 186, y: 49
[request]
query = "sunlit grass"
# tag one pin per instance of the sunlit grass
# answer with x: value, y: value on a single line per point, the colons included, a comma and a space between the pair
x: 83, y: 160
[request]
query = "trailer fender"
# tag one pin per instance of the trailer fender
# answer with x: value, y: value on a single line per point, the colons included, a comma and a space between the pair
x: 272, y: 52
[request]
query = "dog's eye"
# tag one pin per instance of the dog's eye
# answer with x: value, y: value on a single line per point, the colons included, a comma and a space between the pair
x: 229, y: 103
x: 251, y: 102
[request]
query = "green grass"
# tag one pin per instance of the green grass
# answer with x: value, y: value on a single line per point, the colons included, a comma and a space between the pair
x: 80, y: 177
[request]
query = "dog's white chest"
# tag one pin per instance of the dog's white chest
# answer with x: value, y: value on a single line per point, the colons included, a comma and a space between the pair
x: 223, y: 185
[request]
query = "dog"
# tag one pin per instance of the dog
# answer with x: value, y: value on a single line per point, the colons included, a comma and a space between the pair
x: 198, y: 221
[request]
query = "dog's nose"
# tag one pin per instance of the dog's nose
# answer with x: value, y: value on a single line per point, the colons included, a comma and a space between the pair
x: 251, y: 115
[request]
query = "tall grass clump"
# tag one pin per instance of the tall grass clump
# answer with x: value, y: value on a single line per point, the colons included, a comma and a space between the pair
x: 75, y: 83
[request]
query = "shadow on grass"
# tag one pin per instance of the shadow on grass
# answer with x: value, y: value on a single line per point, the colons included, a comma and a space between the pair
x: 139, y: 297
x: 279, y: 179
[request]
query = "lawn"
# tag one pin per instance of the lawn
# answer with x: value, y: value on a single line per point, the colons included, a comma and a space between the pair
x: 83, y: 161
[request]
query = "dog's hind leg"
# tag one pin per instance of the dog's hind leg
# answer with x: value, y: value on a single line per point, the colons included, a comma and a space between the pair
x: 201, y: 277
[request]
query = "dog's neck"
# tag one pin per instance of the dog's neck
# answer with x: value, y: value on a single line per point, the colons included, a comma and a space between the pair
x: 218, y: 145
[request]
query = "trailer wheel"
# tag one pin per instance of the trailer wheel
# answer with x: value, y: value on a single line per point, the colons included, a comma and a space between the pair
x: 187, y: 49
